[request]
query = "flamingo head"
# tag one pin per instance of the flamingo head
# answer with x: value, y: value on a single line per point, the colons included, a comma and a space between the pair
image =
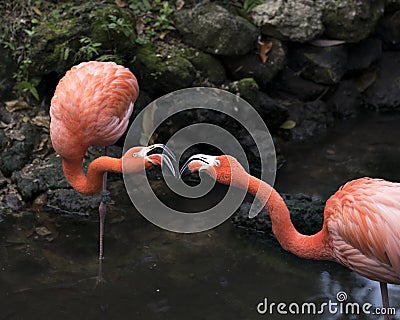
x: 225, y: 169
x: 137, y: 158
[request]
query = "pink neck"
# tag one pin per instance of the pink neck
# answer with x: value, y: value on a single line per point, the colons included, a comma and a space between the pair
x: 310, y: 247
x: 91, y: 183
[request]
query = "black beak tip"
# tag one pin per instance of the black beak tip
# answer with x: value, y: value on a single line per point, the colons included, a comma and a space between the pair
x: 161, y: 149
x: 185, y: 171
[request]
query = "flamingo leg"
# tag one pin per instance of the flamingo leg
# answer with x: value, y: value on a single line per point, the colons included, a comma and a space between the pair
x: 385, y: 298
x: 102, y: 215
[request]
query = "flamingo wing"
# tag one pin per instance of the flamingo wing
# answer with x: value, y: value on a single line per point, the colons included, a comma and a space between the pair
x: 363, y: 220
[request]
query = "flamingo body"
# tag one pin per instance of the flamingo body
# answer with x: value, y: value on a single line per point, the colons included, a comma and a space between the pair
x: 362, y: 223
x: 91, y: 106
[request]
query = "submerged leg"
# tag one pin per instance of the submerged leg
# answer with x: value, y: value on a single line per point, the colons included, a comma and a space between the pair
x: 102, y: 216
x: 385, y: 299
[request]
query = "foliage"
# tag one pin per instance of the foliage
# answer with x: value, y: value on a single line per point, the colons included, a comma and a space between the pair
x: 119, y: 25
x: 153, y: 19
x: 88, y: 50
x: 17, y: 26
x: 20, y: 21
x: 249, y: 5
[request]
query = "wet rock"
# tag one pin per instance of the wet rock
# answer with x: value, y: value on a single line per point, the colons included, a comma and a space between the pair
x: 7, y: 68
x: 311, y: 118
x: 18, y: 144
x: 351, y: 20
x: 46, y: 174
x: 289, y: 20
x: 346, y: 100
x: 57, y: 45
x: 290, y: 84
x: 388, y: 30
x: 361, y: 55
x: 250, y: 65
x: 306, y: 214
x: 70, y: 202
x: 272, y: 112
x: 384, y: 92
x: 324, y: 65
x: 163, y: 68
x: 40, y: 176
x: 214, y: 29
x: 11, y: 201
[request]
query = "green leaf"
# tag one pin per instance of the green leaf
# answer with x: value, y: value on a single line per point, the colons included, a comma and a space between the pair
x: 288, y: 124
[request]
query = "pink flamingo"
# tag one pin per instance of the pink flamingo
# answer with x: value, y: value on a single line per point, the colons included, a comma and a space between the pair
x: 361, y: 221
x: 91, y: 106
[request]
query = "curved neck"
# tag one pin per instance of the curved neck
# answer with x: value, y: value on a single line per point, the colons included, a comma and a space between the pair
x: 91, y: 183
x: 311, y: 247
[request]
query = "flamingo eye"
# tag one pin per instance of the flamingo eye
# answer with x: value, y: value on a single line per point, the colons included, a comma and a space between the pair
x: 135, y: 155
x: 217, y: 163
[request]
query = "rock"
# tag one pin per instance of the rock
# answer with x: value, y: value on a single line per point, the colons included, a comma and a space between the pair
x: 214, y: 29
x: 351, y: 20
x: 36, y: 178
x: 306, y: 214
x: 3, y: 179
x: 324, y: 65
x: 18, y: 145
x: 392, y: 5
x: 272, y: 112
x: 163, y: 68
x: 60, y: 44
x: 311, y: 118
x: 7, y: 68
x: 289, y: 84
x: 71, y: 202
x: 388, y: 30
x: 361, y: 55
x: 209, y: 68
x: 289, y: 20
x: 346, y: 100
x: 384, y: 93
x: 250, y: 65
x: 47, y: 174
x: 11, y: 201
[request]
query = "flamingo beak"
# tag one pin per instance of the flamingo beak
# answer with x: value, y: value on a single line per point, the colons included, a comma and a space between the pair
x: 160, y: 154
x: 198, y: 162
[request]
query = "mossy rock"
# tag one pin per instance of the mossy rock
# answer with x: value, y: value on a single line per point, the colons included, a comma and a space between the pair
x: 56, y: 45
x: 162, y: 68
x: 209, y: 67
x: 120, y: 38
x: 216, y: 30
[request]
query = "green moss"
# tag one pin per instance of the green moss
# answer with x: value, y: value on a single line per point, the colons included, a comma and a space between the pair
x: 247, y: 88
x: 209, y: 67
x: 247, y: 84
x: 163, y: 68
x: 113, y: 28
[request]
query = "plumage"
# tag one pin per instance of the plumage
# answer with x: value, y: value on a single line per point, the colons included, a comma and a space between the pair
x: 91, y: 106
x: 362, y: 220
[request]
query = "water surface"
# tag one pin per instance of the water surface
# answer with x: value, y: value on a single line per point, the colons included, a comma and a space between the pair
x: 151, y: 273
